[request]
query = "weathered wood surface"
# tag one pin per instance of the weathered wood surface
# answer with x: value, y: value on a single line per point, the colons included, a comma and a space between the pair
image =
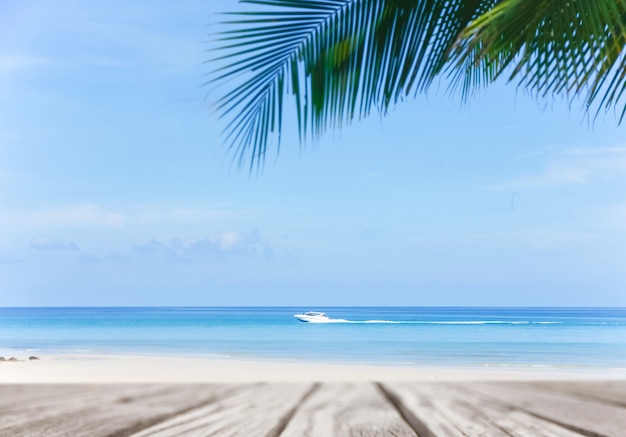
x: 253, y: 410
x: 438, y: 409
x: 347, y: 409
x: 98, y: 409
x: 586, y: 416
x: 520, y: 409
x: 610, y: 392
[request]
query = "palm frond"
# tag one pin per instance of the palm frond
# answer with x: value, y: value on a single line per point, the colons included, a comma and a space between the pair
x: 340, y: 59
x: 570, y: 47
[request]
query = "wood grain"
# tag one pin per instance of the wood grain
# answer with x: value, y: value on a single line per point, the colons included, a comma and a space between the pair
x: 530, y: 409
x: 585, y: 416
x: 449, y: 410
x: 100, y: 410
x: 252, y: 411
x: 347, y: 410
x: 611, y: 392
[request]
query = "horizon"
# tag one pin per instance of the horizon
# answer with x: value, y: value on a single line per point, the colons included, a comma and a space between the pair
x: 324, y: 306
x: 116, y: 189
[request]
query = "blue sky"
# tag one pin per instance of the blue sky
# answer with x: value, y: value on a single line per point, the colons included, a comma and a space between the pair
x: 115, y: 188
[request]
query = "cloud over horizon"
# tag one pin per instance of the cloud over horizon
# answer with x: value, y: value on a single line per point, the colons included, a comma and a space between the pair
x: 224, y: 244
x: 46, y: 243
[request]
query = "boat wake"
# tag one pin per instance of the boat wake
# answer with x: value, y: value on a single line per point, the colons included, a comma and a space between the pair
x: 419, y: 322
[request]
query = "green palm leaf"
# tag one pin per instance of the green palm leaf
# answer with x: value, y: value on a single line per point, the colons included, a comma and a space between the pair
x: 570, y: 47
x: 338, y: 58
x: 341, y: 59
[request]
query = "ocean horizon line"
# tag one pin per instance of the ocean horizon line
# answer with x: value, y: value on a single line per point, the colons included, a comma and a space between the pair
x: 323, y: 306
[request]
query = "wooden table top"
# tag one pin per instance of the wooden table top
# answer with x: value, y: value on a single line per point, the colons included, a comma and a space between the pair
x: 530, y: 409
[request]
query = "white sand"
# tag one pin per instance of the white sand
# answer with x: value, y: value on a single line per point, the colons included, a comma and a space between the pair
x: 139, y: 369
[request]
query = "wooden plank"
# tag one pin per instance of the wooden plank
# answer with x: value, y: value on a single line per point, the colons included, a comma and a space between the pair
x: 347, y: 409
x: 59, y: 402
x: 612, y: 392
x: 258, y: 411
x: 513, y: 421
x: 554, y: 409
x: 12, y: 395
x: 105, y: 410
x: 437, y: 409
x: 587, y: 417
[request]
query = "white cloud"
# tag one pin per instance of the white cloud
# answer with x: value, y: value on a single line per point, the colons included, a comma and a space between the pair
x: 573, y: 166
x: 46, y: 243
x: 232, y: 243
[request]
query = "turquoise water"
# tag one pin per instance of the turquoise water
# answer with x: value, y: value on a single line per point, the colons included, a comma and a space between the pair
x: 579, y: 337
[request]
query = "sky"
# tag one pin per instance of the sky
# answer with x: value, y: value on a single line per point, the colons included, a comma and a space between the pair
x: 116, y: 187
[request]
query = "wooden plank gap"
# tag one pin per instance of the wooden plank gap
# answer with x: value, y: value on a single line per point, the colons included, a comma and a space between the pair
x: 416, y: 424
x: 284, y: 421
x: 567, y: 426
x: 254, y: 410
x: 574, y: 428
x: 347, y: 409
x: 500, y: 405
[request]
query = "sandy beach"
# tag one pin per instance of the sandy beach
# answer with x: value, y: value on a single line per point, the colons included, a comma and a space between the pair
x: 74, y: 368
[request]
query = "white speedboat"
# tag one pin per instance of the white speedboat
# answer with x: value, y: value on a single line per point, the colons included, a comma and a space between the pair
x: 312, y: 317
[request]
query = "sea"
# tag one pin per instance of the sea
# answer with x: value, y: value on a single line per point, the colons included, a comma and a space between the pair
x: 420, y: 336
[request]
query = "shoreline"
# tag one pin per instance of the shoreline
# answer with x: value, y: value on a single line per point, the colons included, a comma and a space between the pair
x: 110, y: 368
